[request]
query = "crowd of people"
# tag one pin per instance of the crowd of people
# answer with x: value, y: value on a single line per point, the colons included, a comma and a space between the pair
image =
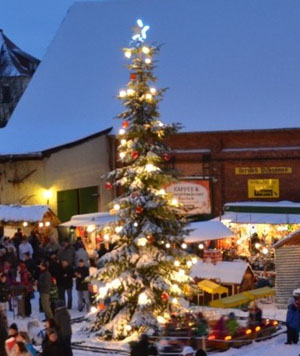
x: 26, y: 266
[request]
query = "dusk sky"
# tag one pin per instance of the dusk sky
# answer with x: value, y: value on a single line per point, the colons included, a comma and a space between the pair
x: 229, y: 64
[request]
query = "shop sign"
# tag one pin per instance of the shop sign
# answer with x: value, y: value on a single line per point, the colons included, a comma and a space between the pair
x: 194, y: 195
x: 262, y: 170
x: 263, y: 188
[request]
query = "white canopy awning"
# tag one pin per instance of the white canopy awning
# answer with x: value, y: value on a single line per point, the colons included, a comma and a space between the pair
x: 208, y: 230
x: 97, y: 219
x: 261, y: 218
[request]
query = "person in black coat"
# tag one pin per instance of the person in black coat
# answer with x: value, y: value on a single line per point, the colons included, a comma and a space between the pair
x: 53, y: 346
x: 4, y: 293
x: 143, y: 347
x: 81, y: 272
x: 54, y: 266
x: 63, y: 321
x: 65, y: 282
x: 44, y: 287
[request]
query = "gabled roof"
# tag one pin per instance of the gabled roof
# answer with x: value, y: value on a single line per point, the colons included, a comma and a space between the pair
x: 18, y: 213
x: 13, y: 61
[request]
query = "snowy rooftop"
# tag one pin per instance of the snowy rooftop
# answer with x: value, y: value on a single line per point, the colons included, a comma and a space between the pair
x: 72, y: 94
x: 208, y: 230
x: 224, y: 271
x: 97, y: 219
x: 18, y: 213
x: 14, y: 61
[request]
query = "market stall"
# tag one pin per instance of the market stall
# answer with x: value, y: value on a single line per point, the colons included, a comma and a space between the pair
x: 27, y: 217
x: 86, y: 226
x: 258, y: 225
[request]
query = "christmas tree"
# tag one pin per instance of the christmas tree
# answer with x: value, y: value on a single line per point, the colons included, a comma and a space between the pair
x: 144, y: 277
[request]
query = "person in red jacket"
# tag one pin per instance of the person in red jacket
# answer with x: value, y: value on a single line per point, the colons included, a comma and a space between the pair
x: 26, y: 281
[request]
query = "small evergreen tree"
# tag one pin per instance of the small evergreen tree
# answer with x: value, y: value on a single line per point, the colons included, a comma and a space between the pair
x: 144, y: 276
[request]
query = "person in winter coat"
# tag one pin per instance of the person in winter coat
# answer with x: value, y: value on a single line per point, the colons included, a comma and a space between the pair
x: 293, y: 324
x: 54, y: 266
x: 26, y: 281
x: 81, y: 272
x: 67, y: 252
x: 3, y: 332
x: 52, y: 247
x: 17, y: 239
x: 143, y: 347
x: 255, y: 315
x: 44, y: 287
x: 4, y: 293
x: 25, y: 247
x: 53, y: 347
x: 65, y: 282
x: 30, y: 265
x: 63, y: 321
x: 81, y: 254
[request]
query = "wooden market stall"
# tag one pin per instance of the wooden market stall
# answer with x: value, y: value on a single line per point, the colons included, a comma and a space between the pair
x: 287, y: 266
x: 27, y: 217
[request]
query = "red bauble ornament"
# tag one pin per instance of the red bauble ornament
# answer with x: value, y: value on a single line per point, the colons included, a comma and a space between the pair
x: 108, y: 185
x: 125, y: 124
x: 150, y: 238
x: 164, y: 296
x: 139, y: 210
x: 134, y: 154
x: 166, y: 157
x: 132, y: 76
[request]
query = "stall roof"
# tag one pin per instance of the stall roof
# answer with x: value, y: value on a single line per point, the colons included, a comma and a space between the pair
x: 290, y: 239
x: 97, y: 219
x: 212, y: 287
x: 224, y: 271
x: 282, y: 212
x: 208, y: 230
x: 17, y: 213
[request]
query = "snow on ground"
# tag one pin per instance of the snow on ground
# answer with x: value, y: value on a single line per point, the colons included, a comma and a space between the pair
x: 271, y: 347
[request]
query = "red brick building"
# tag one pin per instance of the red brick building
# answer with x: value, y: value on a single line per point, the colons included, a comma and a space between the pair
x: 261, y: 165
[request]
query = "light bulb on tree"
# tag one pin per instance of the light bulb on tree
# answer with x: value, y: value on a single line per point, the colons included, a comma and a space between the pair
x: 118, y: 229
x: 153, y: 91
x: 122, y: 93
x: 123, y: 142
x: 135, y: 224
x: 148, y: 96
x: 175, y: 301
x: 117, y: 207
x: 143, y: 299
x: 122, y: 132
x: 127, y: 54
x: 168, y: 245
x: 150, y: 167
x: 122, y: 155
x: 194, y: 260
x: 189, y: 264
x: 201, y: 246
x: 130, y: 91
x: 147, y: 60
x: 161, y: 192
x: 142, y: 241
x: 146, y: 50
x: 128, y: 327
x: 176, y: 263
x: 174, y: 202
x: 184, y: 245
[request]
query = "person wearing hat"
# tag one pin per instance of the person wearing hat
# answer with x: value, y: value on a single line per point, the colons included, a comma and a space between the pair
x: 188, y: 351
x: 63, y: 321
x: 44, y: 287
x: 53, y: 346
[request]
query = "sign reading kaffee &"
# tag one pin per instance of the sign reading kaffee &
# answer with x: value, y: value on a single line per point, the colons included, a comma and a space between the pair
x: 194, y: 195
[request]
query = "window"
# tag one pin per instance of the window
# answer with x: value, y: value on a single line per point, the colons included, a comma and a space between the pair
x: 77, y: 201
x: 6, y: 94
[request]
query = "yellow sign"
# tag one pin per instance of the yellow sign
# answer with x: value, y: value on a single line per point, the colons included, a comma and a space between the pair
x: 262, y: 170
x: 263, y: 188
